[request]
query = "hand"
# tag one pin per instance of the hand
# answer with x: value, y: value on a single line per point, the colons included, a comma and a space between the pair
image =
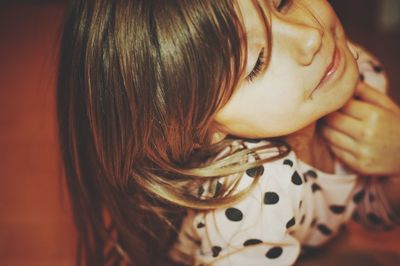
x: 365, y: 133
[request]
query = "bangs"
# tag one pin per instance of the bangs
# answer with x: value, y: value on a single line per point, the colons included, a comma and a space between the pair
x: 203, y: 45
x: 263, y: 12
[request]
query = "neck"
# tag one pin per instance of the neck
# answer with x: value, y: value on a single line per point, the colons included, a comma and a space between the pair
x: 310, y: 148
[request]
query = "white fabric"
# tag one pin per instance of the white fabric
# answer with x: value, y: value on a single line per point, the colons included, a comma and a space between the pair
x: 294, y: 205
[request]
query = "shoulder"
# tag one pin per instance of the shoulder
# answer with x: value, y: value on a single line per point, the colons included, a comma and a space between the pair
x: 255, y: 229
x: 280, y: 172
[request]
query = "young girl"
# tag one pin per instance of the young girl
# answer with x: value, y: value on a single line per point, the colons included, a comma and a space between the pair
x: 190, y: 130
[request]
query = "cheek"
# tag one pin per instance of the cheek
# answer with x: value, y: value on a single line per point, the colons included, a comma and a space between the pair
x: 275, y: 99
x: 262, y: 112
x: 286, y: 118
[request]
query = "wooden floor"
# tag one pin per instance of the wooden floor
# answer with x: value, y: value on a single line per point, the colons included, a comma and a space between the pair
x: 35, y: 222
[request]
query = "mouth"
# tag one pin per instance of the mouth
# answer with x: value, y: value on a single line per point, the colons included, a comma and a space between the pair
x: 331, y: 68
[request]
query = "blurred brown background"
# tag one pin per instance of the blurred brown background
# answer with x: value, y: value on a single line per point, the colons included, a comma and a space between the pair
x: 35, y: 223
x: 375, y: 24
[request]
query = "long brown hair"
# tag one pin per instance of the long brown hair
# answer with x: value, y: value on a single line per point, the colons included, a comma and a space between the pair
x: 139, y: 83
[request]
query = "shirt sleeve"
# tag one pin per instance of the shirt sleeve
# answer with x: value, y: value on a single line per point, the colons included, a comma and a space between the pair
x: 372, y: 208
x: 255, y: 231
x: 290, y: 207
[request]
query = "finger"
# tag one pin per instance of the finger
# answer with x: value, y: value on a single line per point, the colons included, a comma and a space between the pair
x: 344, y: 156
x: 357, y: 109
x: 339, y: 140
x: 345, y: 124
x: 371, y: 95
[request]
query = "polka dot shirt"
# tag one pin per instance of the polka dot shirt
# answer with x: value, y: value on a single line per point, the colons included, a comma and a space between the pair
x: 294, y: 206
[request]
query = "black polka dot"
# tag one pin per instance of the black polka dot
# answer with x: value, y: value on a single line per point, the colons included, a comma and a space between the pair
x: 324, y: 229
x: 311, y: 173
x: 216, y: 250
x: 375, y: 219
x: 315, y: 187
x: 200, y: 225
x: 302, y: 219
x: 337, y: 209
x: 378, y: 69
x: 218, y: 187
x: 234, y: 214
x: 290, y: 223
x: 250, y: 242
x: 252, y: 172
x: 357, y: 198
x: 271, y: 198
x: 362, y: 78
x: 288, y: 162
x: 296, y: 179
x: 200, y: 191
x: 274, y: 252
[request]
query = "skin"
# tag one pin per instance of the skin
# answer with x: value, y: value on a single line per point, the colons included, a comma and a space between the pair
x: 303, y: 40
x: 364, y: 134
x: 304, y: 36
x: 355, y: 132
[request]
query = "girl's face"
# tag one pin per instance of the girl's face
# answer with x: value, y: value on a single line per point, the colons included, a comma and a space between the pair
x: 310, y: 73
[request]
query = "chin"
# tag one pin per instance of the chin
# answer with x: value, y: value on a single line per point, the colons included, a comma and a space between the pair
x: 342, y: 101
x: 348, y: 86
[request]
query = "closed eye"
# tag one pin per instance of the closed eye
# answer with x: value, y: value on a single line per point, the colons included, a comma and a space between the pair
x: 257, y: 67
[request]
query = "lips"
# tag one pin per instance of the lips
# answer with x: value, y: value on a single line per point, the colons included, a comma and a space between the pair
x: 331, y: 69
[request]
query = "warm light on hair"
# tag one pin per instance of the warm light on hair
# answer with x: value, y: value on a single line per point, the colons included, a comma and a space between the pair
x: 139, y: 83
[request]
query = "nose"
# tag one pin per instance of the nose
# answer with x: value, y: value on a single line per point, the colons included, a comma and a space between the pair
x: 303, y: 41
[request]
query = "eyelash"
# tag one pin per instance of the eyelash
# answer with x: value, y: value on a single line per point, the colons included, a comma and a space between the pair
x: 260, y: 60
x: 257, y: 67
x: 283, y: 4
